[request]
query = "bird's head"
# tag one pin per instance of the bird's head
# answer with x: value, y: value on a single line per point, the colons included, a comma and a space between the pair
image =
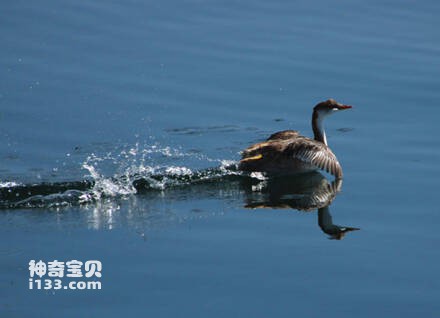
x: 329, y: 107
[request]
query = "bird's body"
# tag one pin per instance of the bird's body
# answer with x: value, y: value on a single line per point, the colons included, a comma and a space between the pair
x: 289, y: 152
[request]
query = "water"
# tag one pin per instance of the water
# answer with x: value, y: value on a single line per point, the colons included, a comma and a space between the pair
x: 121, y: 123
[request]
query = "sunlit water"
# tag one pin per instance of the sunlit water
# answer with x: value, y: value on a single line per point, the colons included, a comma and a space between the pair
x: 121, y: 124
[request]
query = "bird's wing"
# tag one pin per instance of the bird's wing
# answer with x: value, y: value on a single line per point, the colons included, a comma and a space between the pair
x: 256, y: 150
x: 274, y: 144
x: 315, y: 153
x: 283, y: 135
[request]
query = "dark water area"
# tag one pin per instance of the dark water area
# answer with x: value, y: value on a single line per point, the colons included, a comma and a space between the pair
x: 122, y: 123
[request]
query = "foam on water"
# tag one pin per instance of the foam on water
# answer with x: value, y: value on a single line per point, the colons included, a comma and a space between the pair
x: 119, y: 174
x: 8, y: 184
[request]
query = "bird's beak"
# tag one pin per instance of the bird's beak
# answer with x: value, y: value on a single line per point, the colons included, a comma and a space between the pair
x: 342, y: 107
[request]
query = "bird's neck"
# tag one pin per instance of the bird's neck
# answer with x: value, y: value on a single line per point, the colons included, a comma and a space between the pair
x: 318, y: 127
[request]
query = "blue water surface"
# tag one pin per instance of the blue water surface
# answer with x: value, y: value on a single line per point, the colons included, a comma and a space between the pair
x: 98, y: 90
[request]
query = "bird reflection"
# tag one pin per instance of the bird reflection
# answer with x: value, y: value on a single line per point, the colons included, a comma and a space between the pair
x: 325, y: 221
x: 306, y: 192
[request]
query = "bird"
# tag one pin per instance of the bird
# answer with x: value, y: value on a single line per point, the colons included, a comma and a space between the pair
x: 288, y: 152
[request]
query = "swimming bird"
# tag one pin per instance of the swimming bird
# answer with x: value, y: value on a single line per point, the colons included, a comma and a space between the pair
x: 288, y: 152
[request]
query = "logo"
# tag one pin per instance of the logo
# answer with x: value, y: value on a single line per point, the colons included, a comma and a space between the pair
x: 50, y: 275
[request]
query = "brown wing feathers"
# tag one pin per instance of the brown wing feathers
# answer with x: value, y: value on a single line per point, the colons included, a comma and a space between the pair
x: 290, y: 145
x: 315, y: 153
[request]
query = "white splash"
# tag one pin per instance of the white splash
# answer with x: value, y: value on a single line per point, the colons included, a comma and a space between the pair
x: 178, y: 171
x: 108, y: 186
x: 9, y: 184
x: 258, y: 175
